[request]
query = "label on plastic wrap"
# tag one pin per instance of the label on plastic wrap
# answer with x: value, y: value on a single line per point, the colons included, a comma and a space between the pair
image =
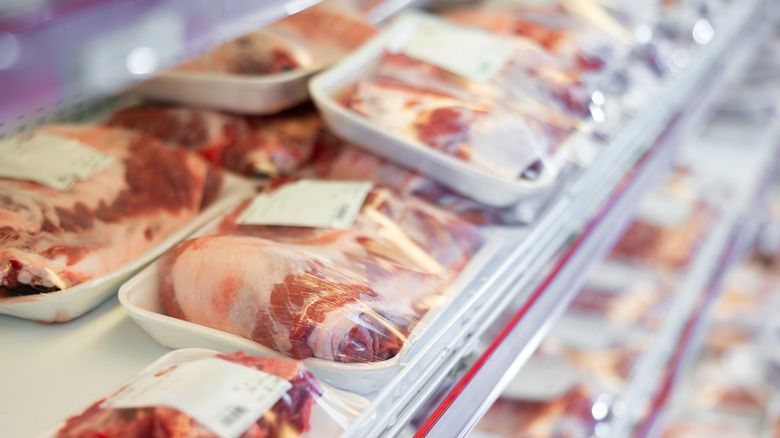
x: 470, y: 53
x: 222, y: 396
x: 309, y: 203
x: 51, y: 160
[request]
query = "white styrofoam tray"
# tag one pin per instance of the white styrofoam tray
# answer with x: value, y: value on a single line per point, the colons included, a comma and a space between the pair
x: 464, y: 177
x: 243, y: 94
x: 140, y: 298
x: 328, y: 418
x: 70, y: 303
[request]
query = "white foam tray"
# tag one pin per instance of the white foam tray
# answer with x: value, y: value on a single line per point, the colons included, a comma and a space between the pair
x: 70, y: 303
x: 243, y: 94
x: 140, y: 298
x: 325, y: 421
x: 462, y: 176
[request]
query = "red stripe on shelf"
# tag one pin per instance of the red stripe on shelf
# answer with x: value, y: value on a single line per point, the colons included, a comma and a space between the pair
x: 466, y: 379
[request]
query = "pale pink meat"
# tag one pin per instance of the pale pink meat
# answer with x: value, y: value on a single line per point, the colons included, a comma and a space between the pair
x: 54, y: 240
x: 342, y: 295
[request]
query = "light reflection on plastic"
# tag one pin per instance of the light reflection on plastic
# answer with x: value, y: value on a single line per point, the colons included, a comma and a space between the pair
x: 703, y: 31
x: 643, y: 34
x: 599, y: 410
x: 597, y: 113
x: 597, y: 97
x: 142, y: 61
x: 9, y: 50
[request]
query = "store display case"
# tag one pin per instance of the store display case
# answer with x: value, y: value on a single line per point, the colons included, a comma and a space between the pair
x: 467, y: 351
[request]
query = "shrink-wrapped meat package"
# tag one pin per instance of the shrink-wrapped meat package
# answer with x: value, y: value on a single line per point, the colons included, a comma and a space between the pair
x: 344, y: 295
x: 265, y: 71
x: 57, y: 238
x: 200, y: 393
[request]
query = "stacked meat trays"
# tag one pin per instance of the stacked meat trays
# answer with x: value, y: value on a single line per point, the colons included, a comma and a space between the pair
x: 729, y: 385
x: 236, y: 217
x: 575, y: 382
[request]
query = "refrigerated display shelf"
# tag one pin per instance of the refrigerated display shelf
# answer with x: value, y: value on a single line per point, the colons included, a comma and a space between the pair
x: 726, y: 151
x: 454, y: 417
x: 106, y: 339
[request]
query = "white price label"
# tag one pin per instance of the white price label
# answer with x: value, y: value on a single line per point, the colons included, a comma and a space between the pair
x: 50, y: 160
x: 222, y: 396
x: 309, y: 203
x: 470, y: 53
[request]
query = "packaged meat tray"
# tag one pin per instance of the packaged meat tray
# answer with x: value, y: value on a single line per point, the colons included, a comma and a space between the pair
x: 568, y: 416
x: 349, y: 302
x: 625, y: 295
x: 268, y: 70
x: 605, y: 352
x: 201, y: 393
x: 111, y: 202
x: 583, y: 39
x: 670, y: 224
x: 454, y: 124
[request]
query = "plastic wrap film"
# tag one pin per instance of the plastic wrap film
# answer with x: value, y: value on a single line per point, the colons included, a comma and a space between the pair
x: 670, y: 224
x: 309, y: 39
x: 55, y: 239
x: 342, y: 295
x: 505, y: 122
x: 582, y: 42
x: 304, y: 406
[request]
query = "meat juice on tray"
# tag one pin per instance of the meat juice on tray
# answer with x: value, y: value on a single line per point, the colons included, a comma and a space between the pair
x: 345, y: 295
x: 54, y: 239
x: 245, y: 396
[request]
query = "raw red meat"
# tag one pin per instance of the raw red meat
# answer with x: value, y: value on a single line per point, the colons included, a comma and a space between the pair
x: 275, y: 145
x: 287, y: 418
x: 343, y: 295
x: 54, y: 240
x: 203, y: 131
